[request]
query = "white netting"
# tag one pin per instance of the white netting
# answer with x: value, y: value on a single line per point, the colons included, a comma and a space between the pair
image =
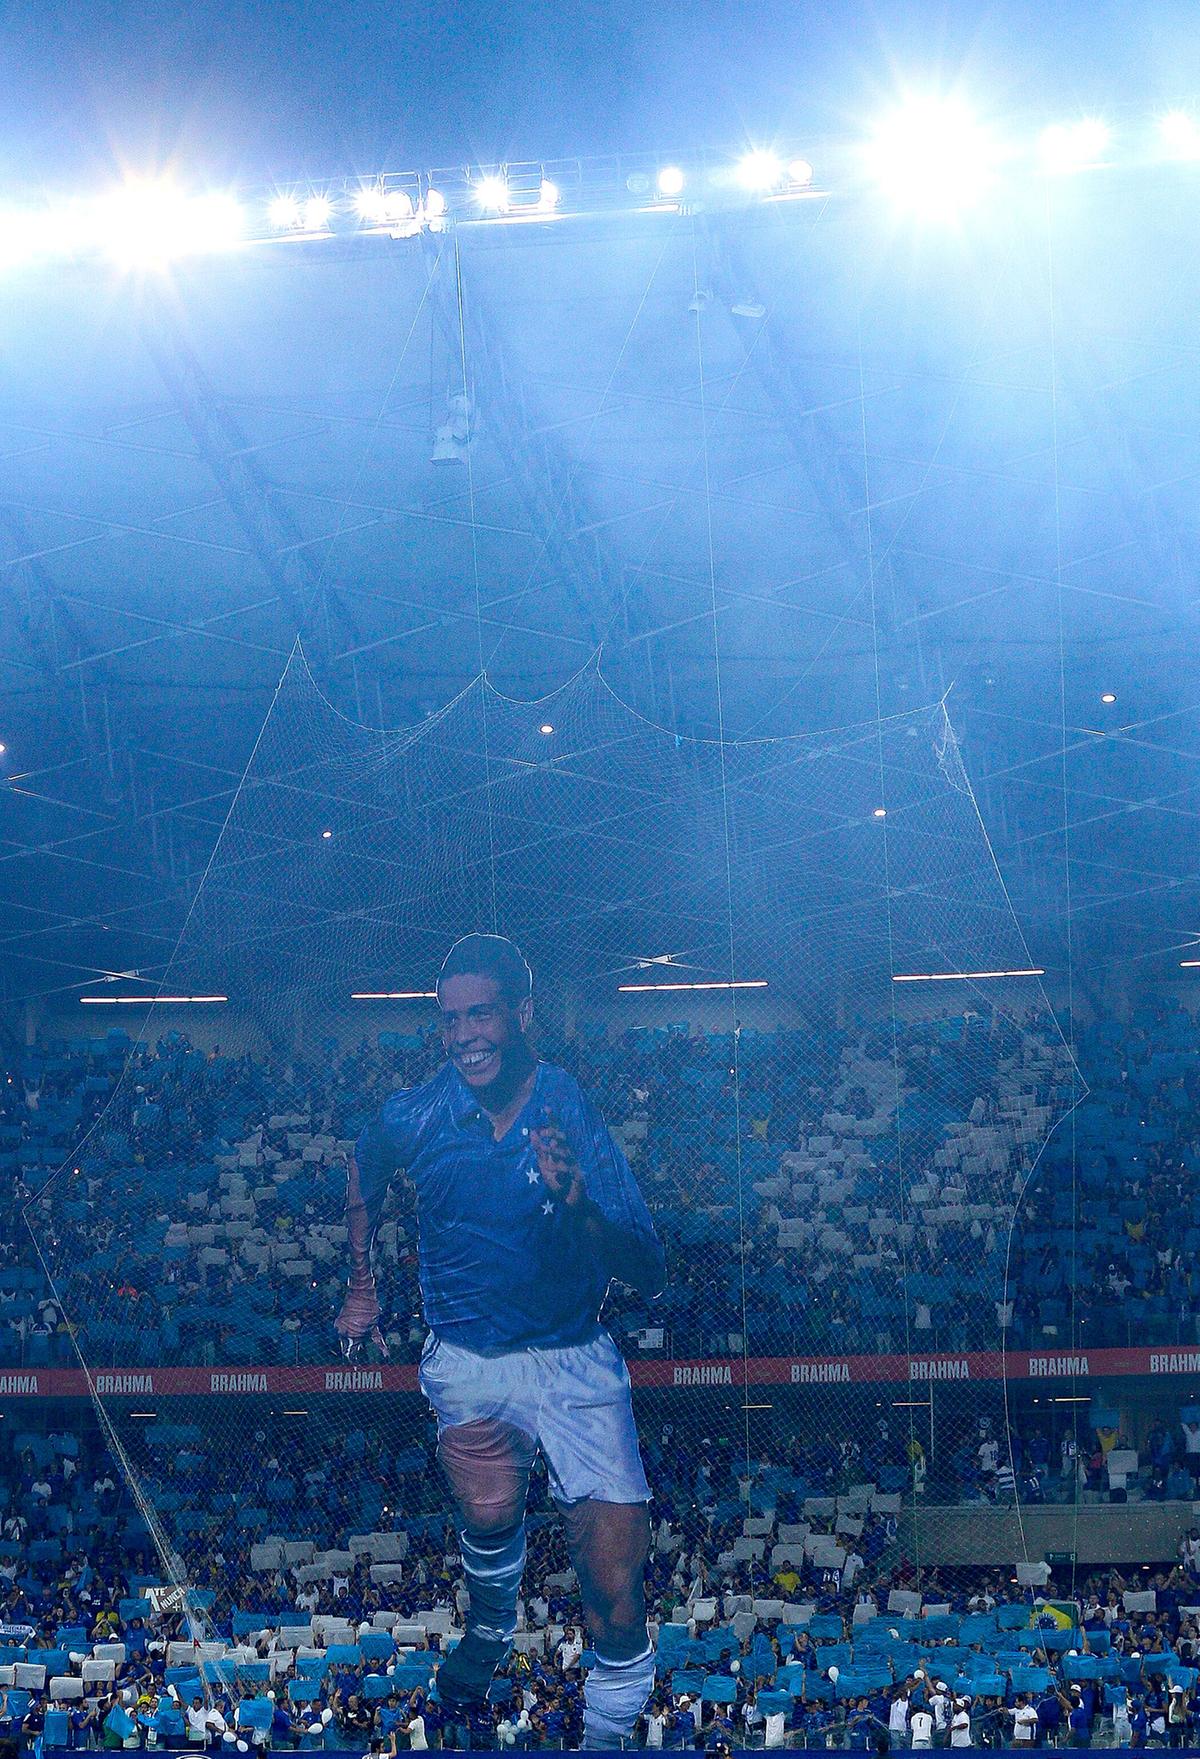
x: 832, y: 1158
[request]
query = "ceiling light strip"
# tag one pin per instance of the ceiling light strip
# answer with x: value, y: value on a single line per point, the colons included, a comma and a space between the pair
x: 394, y: 995
x: 653, y: 988
x: 144, y: 1001
x: 963, y: 976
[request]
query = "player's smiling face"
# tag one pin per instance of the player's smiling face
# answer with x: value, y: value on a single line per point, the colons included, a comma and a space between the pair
x: 481, y: 1029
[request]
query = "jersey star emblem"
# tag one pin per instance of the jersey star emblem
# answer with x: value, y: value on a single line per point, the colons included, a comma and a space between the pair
x: 533, y: 1175
x: 548, y: 1207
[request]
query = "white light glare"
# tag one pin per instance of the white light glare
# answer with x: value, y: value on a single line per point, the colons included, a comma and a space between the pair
x: 26, y: 234
x: 800, y: 172
x: 670, y: 181
x: 284, y: 213
x: 1071, y: 146
x: 492, y: 193
x: 383, y: 207
x: 549, y: 195
x: 933, y: 157
x: 1180, y: 135
x: 759, y: 170
x: 144, y: 224
x: 315, y: 212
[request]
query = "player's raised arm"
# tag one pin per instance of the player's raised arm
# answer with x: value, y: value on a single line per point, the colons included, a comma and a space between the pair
x: 368, y: 1175
x: 594, y: 1183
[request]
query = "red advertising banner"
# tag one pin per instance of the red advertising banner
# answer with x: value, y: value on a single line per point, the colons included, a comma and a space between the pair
x: 695, y: 1376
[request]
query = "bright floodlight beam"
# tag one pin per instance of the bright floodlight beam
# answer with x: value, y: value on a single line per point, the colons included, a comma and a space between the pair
x: 670, y: 181
x: 147, y: 224
x: 492, y: 194
x: 315, y: 213
x: 759, y: 171
x: 284, y: 213
x: 932, y: 157
x: 1073, y: 146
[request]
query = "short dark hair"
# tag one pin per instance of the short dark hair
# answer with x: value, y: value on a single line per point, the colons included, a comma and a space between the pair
x: 489, y: 955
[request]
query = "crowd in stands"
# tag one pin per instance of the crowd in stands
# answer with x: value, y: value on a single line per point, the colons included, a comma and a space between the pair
x: 769, y: 1631
x: 817, y: 1194
x: 205, y: 1225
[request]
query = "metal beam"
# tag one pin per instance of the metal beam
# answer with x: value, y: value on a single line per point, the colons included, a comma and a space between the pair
x: 33, y: 597
x: 543, y: 473
x: 266, y: 523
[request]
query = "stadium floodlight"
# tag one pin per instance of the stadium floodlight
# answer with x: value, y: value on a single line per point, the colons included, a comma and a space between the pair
x: 759, y: 171
x: 549, y: 195
x: 492, y: 194
x: 1073, y: 146
x: 376, y: 206
x: 435, y: 204
x: 150, y: 222
x: 285, y: 214
x: 315, y: 213
x: 670, y: 181
x: 801, y: 173
x: 1180, y: 134
x: 370, y: 204
x: 1108, y: 697
x: 933, y: 157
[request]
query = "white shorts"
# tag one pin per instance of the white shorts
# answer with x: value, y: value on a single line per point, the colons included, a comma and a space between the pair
x: 574, y: 1403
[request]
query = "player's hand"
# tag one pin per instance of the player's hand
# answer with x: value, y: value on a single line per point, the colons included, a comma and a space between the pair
x: 358, y: 1321
x: 557, y: 1163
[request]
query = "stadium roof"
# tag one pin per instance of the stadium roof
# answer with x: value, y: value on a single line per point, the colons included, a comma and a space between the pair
x: 896, y: 464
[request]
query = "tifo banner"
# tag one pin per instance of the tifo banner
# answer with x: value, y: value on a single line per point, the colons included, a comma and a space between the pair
x: 736, y: 1371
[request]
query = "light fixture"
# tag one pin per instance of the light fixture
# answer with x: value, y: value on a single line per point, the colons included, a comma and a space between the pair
x: 932, y: 157
x: 149, y: 222
x: 435, y: 204
x: 315, y: 213
x: 963, y: 976
x: 800, y: 172
x: 670, y: 181
x: 453, y: 437
x: 549, y: 195
x: 1108, y: 697
x: 143, y: 1001
x: 394, y: 995
x: 759, y: 171
x: 1180, y: 135
x: 546, y: 727
x: 879, y: 812
x: 377, y: 206
x: 1072, y: 146
x: 1188, y: 964
x: 326, y: 835
x: 492, y: 193
x: 284, y: 214
x: 652, y: 988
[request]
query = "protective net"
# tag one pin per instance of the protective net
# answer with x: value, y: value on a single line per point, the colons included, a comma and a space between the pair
x: 832, y: 1139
